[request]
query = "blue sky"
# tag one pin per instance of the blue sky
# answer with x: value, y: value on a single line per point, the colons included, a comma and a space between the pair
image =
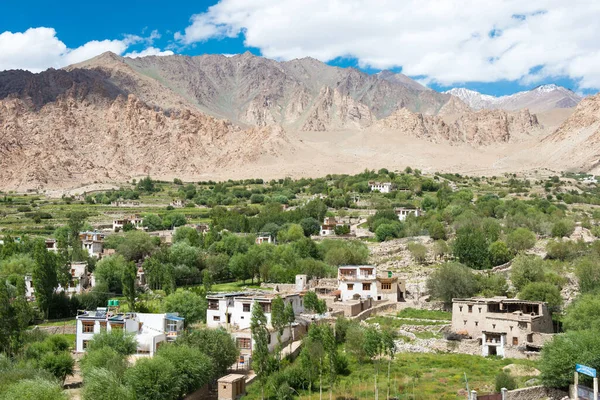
x: 496, y: 49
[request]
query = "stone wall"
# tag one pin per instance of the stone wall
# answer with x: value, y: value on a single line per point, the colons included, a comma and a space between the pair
x: 535, y: 393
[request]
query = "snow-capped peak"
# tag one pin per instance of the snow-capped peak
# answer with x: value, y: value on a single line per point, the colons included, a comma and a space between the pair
x: 548, y: 88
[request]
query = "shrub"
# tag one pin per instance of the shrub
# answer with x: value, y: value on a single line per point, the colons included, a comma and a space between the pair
x: 105, y: 384
x: 122, y: 342
x: 418, y: 251
x: 526, y: 270
x: 471, y: 247
x: 505, y: 380
x: 520, y: 239
x: 34, y: 389
x: 563, y: 228
x: 452, y: 280
x: 542, y: 291
x: 499, y: 253
x: 153, y: 378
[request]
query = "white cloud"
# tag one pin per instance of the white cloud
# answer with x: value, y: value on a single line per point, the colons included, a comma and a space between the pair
x: 150, y: 51
x: 37, y: 49
x: 446, y: 41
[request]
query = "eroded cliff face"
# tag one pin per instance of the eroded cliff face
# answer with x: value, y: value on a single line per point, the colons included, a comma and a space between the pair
x: 477, y: 128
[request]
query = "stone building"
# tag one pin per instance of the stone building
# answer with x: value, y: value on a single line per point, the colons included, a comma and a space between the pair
x: 500, y: 323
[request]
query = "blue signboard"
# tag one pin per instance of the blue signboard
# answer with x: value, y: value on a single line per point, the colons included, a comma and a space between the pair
x: 582, y: 369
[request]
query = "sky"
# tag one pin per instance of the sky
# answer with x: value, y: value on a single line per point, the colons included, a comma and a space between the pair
x: 496, y: 47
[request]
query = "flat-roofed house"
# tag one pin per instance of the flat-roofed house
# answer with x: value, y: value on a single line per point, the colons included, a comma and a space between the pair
x: 404, y: 212
x: 382, y: 187
x: 362, y: 281
x: 500, y: 322
x: 92, y: 242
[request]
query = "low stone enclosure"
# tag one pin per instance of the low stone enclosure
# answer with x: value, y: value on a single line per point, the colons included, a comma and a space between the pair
x: 530, y: 393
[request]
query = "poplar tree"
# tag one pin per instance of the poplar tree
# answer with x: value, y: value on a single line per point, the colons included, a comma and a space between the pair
x: 45, y: 280
x: 260, y: 351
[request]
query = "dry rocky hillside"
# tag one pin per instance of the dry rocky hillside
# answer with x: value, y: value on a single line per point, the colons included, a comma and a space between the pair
x: 112, y: 118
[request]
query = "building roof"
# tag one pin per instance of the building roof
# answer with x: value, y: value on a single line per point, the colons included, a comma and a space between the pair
x: 231, y: 378
x: 498, y: 299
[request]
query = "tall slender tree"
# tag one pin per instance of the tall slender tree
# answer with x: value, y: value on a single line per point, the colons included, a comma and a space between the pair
x: 278, y: 320
x: 128, y: 277
x: 44, y: 276
x: 260, y: 352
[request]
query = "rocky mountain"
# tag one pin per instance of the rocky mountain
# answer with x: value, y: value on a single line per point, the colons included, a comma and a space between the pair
x: 113, y: 118
x: 542, y: 98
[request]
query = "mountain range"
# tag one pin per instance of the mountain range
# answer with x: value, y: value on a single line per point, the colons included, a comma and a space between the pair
x: 113, y: 118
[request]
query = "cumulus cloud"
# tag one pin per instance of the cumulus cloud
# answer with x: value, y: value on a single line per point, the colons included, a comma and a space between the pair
x: 444, y: 41
x: 37, y: 49
x: 150, y: 51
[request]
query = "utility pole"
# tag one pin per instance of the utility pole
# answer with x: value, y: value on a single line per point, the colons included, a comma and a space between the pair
x: 467, y: 384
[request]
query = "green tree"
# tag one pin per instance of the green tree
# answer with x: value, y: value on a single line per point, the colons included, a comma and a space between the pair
x: 542, y: 291
x: 312, y: 303
x: 122, y: 342
x: 588, y: 273
x: 189, y: 234
x: 583, y: 314
x: 217, y: 344
x: 452, y: 280
x: 153, y: 378
x: 103, y: 358
x: 260, y: 336
x: 520, y: 239
x: 310, y: 226
x: 292, y: 233
x: 76, y: 223
x: 15, y: 315
x: 526, y: 270
x: 153, y: 222
x: 418, y: 251
x: 437, y: 230
x: 499, y: 253
x: 59, y: 364
x: 559, y: 357
x: 128, y: 278
x: 105, y: 384
x: 44, y: 276
x: 471, y: 247
x: 193, y: 368
x: 188, y: 304
x: 135, y: 246
x: 563, y: 228
x: 278, y: 319
x: 109, y: 272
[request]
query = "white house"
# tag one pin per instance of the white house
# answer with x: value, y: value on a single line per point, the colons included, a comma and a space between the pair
x: 79, y: 281
x: 134, y: 220
x: 52, y: 245
x: 92, y: 242
x: 150, y: 330
x: 403, y: 212
x: 361, y: 281
x: 382, y: 187
x: 329, y: 225
x: 233, y: 311
x: 264, y: 238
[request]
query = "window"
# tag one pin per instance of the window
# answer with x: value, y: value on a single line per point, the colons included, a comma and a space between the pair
x: 269, y: 339
x: 460, y: 308
x: 511, y: 328
x: 515, y: 341
x: 85, y: 344
x: 103, y: 326
x: 266, y: 307
x: 476, y: 323
x: 493, y: 326
x: 213, y: 305
x: 479, y: 310
x: 470, y: 308
x: 88, y: 326
x: 465, y: 322
x: 366, y: 286
x: 386, y: 286
x: 351, y: 286
x: 116, y: 326
x: 216, y: 318
x: 246, y: 307
x: 243, y: 343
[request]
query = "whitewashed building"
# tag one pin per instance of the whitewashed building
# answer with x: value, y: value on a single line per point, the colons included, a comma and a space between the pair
x: 264, y: 238
x: 52, y: 245
x: 149, y: 330
x: 233, y: 312
x: 382, y: 187
x: 134, y: 220
x: 362, y: 281
x: 92, y: 242
x: 403, y: 212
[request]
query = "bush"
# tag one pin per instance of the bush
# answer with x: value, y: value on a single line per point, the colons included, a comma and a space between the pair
x: 520, y: 239
x: 388, y: 231
x: 34, y: 389
x: 188, y: 304
x: 583, y: 314
x: 542, y: 291
x: 105, y: 384
x: 122, y: 342
x: 153, y: 378
x: 499, y: 253
x: 588, y: 273
x: 104, y: 357
x: 437, y: 230
x: 452, y: 280
x: 194, y: 369
x: 505, y: 380
x: 418, y: 251
x: 526, y: 270
x: 563, y: 228
x: 471, y: 247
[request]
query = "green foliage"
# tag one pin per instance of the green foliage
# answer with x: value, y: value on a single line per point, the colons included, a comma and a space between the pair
x: 217, y: 344
x: 388, y: 231
x: 506, y: 381
x: 342, y: 252
x: 542, y: 291
x: 188, y: 304
x: 526, y: 270
x: 563, y: 228
x: 471, y: 247
x: 491, y: 285
x: 437, y: 230
x: 105, y: 358
x: 499, y: 253
x: 135, y: 245
x: 452, y: 280
x: 109, y: 272
x: 105, y: 384
x: 58, y: 364
x: 44, y: 275
x: 588, y: 274
x: 193, y: 368
x: 313, y: 303
x: 418, y: 251
x: 563, y: 352
x: 583, y: 314
x: 291, y: 233
x: 520, y: 239
x: 153, y: 378
x: 310, y: 226
x: 122, y: 342
x: 33, y: 389
x: 260, y: 335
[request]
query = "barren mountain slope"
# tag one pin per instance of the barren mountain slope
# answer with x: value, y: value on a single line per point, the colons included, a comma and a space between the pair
x: 252, y: 90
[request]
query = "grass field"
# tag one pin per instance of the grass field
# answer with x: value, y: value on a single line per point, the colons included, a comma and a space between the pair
x: 425, y: 314
x: 417, y: 377
x: 234, y: 286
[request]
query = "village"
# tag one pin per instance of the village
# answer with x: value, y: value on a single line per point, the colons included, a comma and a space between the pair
x: 389, y: 290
